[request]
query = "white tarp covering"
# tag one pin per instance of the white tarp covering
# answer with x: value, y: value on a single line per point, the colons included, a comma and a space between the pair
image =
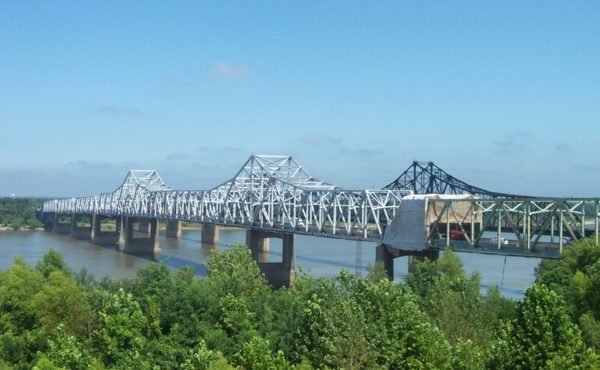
x: 439, y: 196
x: 407, y: 230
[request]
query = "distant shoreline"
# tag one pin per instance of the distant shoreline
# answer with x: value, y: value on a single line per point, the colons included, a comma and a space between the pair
x: 19, y: 229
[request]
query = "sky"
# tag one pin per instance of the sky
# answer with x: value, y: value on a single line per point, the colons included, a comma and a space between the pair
x: 504, y: 95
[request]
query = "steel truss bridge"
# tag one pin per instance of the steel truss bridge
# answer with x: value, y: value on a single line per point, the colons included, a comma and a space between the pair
x: 538, y: 227
x: 267, y: 193
x: 274, y: 193
x: 427, y: 178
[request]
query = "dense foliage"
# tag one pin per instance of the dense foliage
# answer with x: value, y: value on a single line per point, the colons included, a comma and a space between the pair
x: 53, y: 318
x: 19, y: 213
x: 576, y: 280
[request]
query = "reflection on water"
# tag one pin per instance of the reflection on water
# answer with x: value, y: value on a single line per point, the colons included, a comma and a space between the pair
x: 314, y: 256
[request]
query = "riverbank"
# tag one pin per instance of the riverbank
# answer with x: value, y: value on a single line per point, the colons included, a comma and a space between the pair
x: 19, y: 229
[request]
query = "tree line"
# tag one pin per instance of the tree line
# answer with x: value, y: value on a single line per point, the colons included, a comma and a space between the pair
x: 54, y: 318
x: 19, y: 213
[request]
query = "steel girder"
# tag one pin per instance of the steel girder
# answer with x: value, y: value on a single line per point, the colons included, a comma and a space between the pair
x: 427, y: 178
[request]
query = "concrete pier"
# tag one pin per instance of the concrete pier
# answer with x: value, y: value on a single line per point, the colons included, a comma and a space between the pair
x: 113, y: 236
x: 81, y: 226
x: 386, y: 255
x: 259, y: 245
x: 141, y: 242
x: 143, y: 225
x: 210, y: 234
x: 63, y: 227
x: 278, y: 274
x: 47, y: 219
x: 173, y: 229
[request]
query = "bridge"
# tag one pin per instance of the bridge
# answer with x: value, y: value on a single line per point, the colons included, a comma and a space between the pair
x: 275, y: 197
x: 427, y: 178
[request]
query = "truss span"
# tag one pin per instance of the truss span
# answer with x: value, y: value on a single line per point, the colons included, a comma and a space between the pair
x: 427, y: 178
x: 268, y: 192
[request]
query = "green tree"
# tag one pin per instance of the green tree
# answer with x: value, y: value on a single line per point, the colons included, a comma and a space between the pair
x: 395, y: 327
x: 233, y: 271
x: 120, y: 340
x: 453, y: 301
x: 52, y: 261
x: 376, y: 272
x: 19, y: 337
x: 541, y: 336
x: 19, y: 212
x: 60, y: 301
x: 590, y: 329
x: 237, y: 322
x: 199, y: 359
x: 316, y: 331
x: 466, y: 356
x: 256, y: 354
x: 66, y: 352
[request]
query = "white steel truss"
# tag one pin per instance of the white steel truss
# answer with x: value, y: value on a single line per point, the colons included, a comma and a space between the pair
x: 268, y: 192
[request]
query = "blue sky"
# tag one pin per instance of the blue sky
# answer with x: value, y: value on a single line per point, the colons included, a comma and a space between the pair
x: 504, y: 95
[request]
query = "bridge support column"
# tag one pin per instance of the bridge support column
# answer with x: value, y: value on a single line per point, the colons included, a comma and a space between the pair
x: 173, y: 229
x: 48, y: 220
x: 278, y: 274
x: 61, y: 227
x: 141, y: 243
x: 81, y: 232
x: 383, y: 255
x: 144, y: 226
x: 108, y: 235
x: 210, y: 234
x: 386, y: 255
x: 259, y: 245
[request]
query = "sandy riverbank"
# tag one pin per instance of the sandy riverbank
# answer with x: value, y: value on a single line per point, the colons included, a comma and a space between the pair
x: 8, y: 228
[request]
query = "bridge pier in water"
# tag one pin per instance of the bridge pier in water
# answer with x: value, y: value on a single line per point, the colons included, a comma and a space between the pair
x: 108, y: 235
x: 259, y: 245
x: 144, y: 226
x: 143, y: 242
x: 386, y: 255
x: 82, y: 226
x: 278, y: 274
x: 47, y: 219
x: 59, y: 225
x: 210, y: 234
x: 173, y: 229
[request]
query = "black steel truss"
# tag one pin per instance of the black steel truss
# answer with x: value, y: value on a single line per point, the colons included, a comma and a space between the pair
x: 427, y: 178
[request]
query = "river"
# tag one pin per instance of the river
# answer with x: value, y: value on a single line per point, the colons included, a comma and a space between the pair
x: 314, y: 256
